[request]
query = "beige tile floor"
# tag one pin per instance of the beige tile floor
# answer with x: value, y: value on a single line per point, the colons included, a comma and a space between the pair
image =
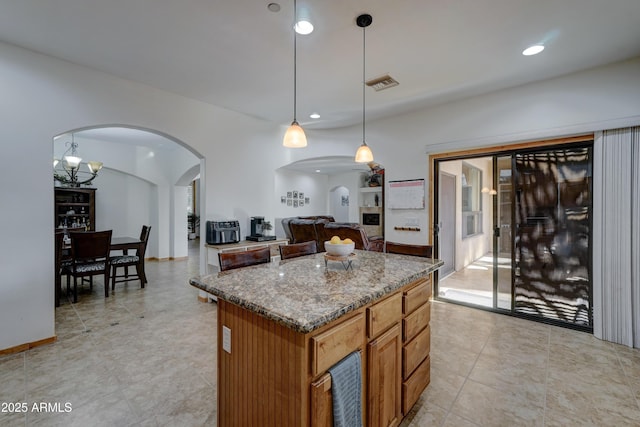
x: 145, y: 357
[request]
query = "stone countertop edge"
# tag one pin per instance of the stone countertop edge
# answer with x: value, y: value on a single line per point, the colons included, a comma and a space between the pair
x: 317, y: 321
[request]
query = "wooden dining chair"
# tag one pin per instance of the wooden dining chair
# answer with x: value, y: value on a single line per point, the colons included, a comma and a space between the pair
x: 424, y: 251
x: 231, y: 260
x: 89, y: 257
x: 298, y: 249
x: 131, y: 260
x: 58, y: 265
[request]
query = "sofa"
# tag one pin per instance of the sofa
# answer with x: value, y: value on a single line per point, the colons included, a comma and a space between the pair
x: 355, y: 232
x: 322, y: 228
x: 300, y: 229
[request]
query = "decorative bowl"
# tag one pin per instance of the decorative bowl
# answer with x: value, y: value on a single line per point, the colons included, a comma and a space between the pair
x: 339, y: 249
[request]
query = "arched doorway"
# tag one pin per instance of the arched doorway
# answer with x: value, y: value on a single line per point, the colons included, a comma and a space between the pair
x: 339, y: 203
x: 142, y: 182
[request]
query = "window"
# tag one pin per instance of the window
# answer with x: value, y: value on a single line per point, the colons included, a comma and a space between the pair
x: 471, y: 200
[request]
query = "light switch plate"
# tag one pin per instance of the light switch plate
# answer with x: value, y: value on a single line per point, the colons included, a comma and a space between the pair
x: 226, y: 339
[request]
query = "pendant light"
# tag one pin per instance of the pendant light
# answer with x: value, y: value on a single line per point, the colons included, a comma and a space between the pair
x: 364, y: 154
x: 294, y: 137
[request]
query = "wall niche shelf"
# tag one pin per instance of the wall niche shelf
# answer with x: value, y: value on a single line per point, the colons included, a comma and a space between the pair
x: 75, y: 208
x: 371, y: 209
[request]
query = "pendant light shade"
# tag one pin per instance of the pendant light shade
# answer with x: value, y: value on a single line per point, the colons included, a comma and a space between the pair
x: 294, y: 137
x: 364, y: 154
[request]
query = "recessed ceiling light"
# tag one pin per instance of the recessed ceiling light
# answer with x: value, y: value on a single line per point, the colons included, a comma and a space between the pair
x: 273, y: 7
x: 533, y: 50
x: 314, y: 115
x: 317, y: 170
x: 303, y: 27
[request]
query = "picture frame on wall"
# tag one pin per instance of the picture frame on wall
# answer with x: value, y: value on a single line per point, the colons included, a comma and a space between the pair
x: 301, y: 195
x: 289, y: 194
x: 289, y: 202
x: 295, y: 194
x: 295, y: 203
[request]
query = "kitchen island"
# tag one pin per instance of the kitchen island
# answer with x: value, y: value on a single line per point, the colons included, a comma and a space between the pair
x: 282, y: 325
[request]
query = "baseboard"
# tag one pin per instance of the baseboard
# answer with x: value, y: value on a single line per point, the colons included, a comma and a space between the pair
x: 28, y: 346
x: 167, y: 259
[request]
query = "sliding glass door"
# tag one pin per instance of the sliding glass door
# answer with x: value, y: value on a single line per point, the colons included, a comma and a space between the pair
x: 522, y: 243
x: 553, y: 235
x: 503, y: 231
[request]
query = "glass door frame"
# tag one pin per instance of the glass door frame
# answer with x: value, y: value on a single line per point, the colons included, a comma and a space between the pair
x: 506, y: 150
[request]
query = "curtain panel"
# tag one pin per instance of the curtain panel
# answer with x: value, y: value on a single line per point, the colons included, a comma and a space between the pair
x: 616, y: 236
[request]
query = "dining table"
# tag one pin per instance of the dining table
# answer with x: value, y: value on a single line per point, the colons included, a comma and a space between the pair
x: 124, y: 243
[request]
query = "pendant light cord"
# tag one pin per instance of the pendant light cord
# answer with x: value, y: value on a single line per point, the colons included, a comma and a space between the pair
x: 364, y: 50
x: 295, y: 59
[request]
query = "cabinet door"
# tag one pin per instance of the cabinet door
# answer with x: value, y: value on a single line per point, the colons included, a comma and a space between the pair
x: 384, y: 382
x: 322, y: 402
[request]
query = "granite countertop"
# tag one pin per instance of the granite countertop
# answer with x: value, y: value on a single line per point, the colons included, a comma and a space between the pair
x: 302, y: 294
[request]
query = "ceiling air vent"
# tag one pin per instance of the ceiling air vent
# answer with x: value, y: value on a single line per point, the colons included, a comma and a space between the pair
x: 382, y: 82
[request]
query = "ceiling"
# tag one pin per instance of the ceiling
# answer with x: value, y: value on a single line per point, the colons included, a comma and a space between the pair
x: 237, y: 54
x: 123, y: 135
x: 329, y: 165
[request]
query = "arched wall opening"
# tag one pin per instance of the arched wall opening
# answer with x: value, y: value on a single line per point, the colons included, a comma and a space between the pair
x: 144, y: 181
x: 339, y: 203
x: 316, y: 178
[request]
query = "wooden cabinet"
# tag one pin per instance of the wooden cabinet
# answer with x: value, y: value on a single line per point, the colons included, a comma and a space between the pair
x: 333, y: 345
x: 384, y: 379
x: 415, y: 385
x: 384, y: 314
x: 273, y: 376
x: 416, y: 342
x: 322, y: 402
x: 75, y: 208
x: 415, y: 351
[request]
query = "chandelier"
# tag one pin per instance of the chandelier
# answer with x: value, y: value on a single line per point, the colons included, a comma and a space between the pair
x: 68, y: 172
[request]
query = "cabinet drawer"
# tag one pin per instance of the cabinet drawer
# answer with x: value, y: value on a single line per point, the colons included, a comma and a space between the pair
x: 415, y: 351
x: 415, y: 385
x: 334, y: 344
x: 416, y: 321
x: 382, y: 315
x: 416, y: 296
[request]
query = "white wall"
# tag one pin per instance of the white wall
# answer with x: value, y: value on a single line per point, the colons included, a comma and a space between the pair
x: 339, y: 203
x: 602, y: 98
x: 123, y: 204
x: 314, y: 186
x: 43, y: 97
x: 352, y: 181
